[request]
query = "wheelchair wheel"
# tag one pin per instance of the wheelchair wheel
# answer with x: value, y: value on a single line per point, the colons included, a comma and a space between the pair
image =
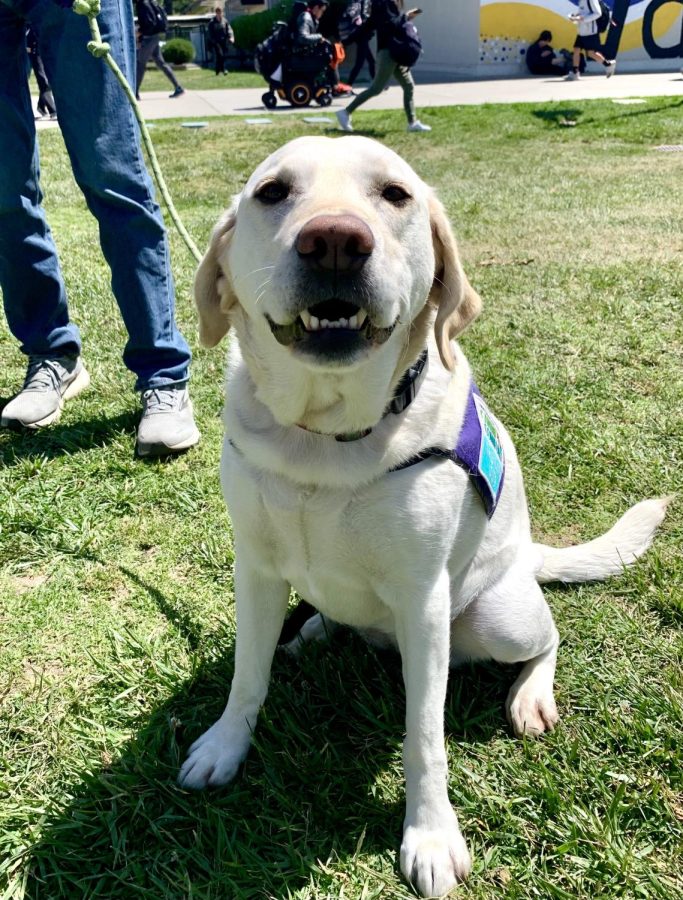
x: 300, y: 94
x: 324, y: 99
x: 269, y: 100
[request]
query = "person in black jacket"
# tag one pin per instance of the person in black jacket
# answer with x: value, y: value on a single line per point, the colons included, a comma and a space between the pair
x: 541, y: 58
x: 352, y: 31
x: 152, y: 26
x: 385, y: 18
x: 305, y: 30
x: 220, y: 34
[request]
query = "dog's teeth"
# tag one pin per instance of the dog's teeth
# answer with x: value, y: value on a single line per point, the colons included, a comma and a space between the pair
x: 314, y: 324
x: 343, y: 323
x: 361, y: 315
x: 324, y: 323
x: 353, y: 322
x: 305, y: 317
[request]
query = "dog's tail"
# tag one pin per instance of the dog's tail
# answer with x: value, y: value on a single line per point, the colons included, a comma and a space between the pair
x: 609, y: 554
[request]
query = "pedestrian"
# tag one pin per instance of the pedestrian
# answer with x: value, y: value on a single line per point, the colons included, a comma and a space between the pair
x: 385, y: 19
x: 152, y: 24
x: 46, y: 102
x: 102, y: 138
x: 588, y: 38
x: 220, y: 35
x: 307, y: 41
x: 541, y: 58
x: 305, y: 31
x: 351, y: 31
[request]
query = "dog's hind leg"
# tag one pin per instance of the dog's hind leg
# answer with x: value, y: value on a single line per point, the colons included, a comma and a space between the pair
x: 317, y: 628
x: 511, y: 623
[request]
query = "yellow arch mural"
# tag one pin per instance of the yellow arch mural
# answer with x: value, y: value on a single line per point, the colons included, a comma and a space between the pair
x: 524, y: 22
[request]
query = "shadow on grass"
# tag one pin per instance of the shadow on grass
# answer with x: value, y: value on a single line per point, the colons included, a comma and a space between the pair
x: 568, y: 115
x: 313, y: 793
x: 561, y: 117
x: 60, y: 439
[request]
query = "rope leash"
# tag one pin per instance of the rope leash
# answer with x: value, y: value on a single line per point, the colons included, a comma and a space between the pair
x: 101, y: 50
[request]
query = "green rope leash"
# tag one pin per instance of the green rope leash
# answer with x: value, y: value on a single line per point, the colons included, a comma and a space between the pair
x: 102, y: 50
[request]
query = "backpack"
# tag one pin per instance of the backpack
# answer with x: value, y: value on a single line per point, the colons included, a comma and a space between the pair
x: 405, y: 45
x: 152, y: 19
x: 270, y: 53
x: 603, y: 21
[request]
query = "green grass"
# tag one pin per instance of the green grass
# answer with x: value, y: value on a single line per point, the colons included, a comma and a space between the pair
x: 193, y: 79
x: 197, y: 79
x: 116, y: 620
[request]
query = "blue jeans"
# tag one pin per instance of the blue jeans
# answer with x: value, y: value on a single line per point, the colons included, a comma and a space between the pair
x: 103, y: 142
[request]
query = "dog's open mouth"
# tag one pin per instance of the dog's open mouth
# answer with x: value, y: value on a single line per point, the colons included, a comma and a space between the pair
x: 333, y: 320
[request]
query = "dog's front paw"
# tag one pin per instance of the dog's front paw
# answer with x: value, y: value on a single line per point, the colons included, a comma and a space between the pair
x: 213, y: 759
x: 531, y: 711
x: 434, y: 860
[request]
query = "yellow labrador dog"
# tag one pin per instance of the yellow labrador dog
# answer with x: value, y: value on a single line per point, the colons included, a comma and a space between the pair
x: 361, y: 466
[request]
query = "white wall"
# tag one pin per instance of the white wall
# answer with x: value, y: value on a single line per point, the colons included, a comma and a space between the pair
x: 450, y: 35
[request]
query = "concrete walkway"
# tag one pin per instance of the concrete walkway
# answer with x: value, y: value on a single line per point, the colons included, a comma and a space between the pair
x: 247, y: 101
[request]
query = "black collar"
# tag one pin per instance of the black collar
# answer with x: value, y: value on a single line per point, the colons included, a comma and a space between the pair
x: 406, y: 392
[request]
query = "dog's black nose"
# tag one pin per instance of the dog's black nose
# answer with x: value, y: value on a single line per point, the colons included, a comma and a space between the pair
x: 335, y: 242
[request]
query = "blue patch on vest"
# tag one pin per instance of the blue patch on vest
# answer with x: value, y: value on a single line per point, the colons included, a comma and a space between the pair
x: 480, y: 452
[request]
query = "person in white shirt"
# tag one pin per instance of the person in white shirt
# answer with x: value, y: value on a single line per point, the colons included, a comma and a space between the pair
x: 588, y: 38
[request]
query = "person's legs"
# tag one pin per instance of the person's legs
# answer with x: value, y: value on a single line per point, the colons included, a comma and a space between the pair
x: 144, y: 54
x: 103, y: 141
x: 363, y: 53
x: 608, y: 64
x: 405, y: 79
x: 385, y: 69
x: 33, y: 291
x: 161, y: 63
x: 573, y: 75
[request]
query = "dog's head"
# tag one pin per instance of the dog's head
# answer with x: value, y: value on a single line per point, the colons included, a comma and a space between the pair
x: 333, y: 249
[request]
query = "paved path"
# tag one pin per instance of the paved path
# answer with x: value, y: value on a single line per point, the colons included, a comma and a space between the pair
x: 247, y: 101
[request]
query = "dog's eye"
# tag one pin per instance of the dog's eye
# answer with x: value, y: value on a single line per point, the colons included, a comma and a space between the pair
x: 394, y: 193
x: 272, y: 192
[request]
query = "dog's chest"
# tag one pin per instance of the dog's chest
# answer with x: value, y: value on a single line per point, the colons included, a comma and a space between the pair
x: 317, y: 540
x: 344, y: 549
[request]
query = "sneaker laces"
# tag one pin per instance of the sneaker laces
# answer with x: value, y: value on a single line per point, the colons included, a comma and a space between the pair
x: 161, y: 400
x: 44, y: 374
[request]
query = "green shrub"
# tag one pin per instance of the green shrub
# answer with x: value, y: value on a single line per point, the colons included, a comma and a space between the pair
x: 251, y: 30
x: 178, y: 51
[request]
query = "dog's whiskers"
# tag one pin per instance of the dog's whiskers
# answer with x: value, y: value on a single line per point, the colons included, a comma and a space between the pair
x: 261, y: 290
x: 254, y: 272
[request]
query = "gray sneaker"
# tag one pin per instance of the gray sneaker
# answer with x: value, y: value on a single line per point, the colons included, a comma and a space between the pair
x: 48, y: 383
x: 167, y: 424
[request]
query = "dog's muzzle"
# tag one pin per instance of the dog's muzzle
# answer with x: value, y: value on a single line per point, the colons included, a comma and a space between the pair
x: 333, y: 250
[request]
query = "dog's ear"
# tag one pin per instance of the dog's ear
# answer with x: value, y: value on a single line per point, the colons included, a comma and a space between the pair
x: 213, y: 291
x: 455, y: 299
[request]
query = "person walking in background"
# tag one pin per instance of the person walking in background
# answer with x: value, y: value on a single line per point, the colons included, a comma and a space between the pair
x: 220, y: 36
x: 46, y: 102
x: 588, y: 38
x: 385, y: 19
x: 103, y: 142
x: 351, y: 31
x: 152, y: 24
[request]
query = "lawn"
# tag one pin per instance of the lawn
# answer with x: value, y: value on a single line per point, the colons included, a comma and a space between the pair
x: 116, y: 619
x: 196, y: 79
